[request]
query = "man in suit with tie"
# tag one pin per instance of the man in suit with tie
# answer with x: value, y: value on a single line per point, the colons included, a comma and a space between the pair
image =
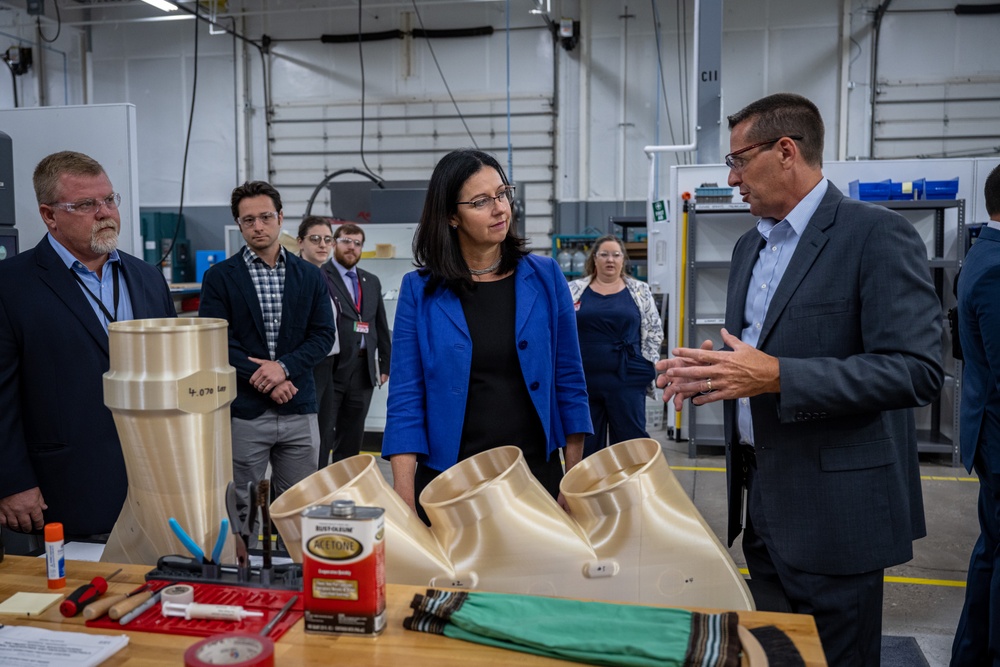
x: 60, y: 456
x: 365, y: 344
x: 977, y: 640
x: 833, y: 334
x: 280, y: 327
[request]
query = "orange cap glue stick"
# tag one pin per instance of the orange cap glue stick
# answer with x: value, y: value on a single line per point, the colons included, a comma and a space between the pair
x: 55, y: 558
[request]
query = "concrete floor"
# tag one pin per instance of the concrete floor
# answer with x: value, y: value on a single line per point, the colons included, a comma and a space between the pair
x: 923, y: 598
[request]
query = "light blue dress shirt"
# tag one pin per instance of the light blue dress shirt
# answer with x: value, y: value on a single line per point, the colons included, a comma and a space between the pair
x: 780, y: 240
x: 103, y: 287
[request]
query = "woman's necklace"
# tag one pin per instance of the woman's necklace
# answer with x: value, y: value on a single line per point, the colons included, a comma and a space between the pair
x: 489, y: 269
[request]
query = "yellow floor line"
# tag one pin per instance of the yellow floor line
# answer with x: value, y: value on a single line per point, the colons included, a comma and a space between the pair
x: 917, y: 581
x: 934, y: 478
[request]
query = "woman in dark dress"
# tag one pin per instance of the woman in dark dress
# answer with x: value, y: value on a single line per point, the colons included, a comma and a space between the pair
x: 485, y: 349
x: 620, y: 336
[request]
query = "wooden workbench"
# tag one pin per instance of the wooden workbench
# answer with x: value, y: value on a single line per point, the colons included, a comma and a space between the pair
x: 394, y: 647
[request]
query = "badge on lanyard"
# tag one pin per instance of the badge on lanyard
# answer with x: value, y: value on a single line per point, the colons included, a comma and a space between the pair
x: 361, y: 327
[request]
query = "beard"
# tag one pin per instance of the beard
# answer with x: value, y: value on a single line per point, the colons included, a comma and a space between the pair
x: 347, y: 261
x: 103, y: 241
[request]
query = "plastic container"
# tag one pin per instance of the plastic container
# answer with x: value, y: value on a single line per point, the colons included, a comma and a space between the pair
x: 939, y: 189
x: 711, y: 193
x: 565, y: 259
x: 875, y: 191
x: 905, y: 190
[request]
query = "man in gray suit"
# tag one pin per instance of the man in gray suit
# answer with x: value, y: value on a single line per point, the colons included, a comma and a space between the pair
x: 832, y: 335
x: 364, y: 331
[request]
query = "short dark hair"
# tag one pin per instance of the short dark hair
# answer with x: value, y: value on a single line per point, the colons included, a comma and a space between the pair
x: 52, y: 167
x: 783, y: 115
x: 253, y: 189
x: 312, y: 221
x: 992, y: 192
x: 348, y: 228
x: 435, y: 245
x: 590, y: 266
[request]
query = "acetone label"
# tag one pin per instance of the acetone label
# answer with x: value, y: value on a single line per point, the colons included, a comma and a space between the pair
x: 343, y: 566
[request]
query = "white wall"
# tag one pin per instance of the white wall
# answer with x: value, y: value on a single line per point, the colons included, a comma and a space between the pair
x: 580, y: 118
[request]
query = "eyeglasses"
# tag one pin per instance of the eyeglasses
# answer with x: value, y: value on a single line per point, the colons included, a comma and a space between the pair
x: 739, y: 164
x: 89, y: 205
x: 316, y: 238
x: 343, y: 240
x: 604, y: 254
x: 481, y: 203
x: 248, y: 221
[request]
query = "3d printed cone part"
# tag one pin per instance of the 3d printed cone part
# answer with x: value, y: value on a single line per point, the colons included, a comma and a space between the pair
x: 412, y: 554
x: 632, y: 535
x: 634, y: 511
x: 169, y: 387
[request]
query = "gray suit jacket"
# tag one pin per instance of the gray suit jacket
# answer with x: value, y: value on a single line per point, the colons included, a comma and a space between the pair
x: 856, y: 326
x: 372, y: 312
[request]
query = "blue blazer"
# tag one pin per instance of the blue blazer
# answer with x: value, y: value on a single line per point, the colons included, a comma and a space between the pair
x: 432, y: 360
x: 304, y: 339
x: 856, y: 327
x: 979, y: 331
x: 57, y: 433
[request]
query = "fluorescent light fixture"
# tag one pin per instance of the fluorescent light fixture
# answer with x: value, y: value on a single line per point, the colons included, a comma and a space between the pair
x: 162, y: 4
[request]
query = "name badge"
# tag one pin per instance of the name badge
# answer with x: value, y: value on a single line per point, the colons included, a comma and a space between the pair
x: 361, y: 327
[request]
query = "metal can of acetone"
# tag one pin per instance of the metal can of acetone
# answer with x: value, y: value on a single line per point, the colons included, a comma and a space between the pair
x: 343, y: 568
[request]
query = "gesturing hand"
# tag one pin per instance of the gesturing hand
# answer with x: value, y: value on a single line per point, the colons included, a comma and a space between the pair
x: 708, y: 376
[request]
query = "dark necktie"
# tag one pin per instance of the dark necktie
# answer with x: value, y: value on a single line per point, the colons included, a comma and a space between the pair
x: 357, y: 292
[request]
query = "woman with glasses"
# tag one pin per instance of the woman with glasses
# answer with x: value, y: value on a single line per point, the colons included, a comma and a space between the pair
x: 620, y: 336
x: 485, y: 351
x: 315, y: 246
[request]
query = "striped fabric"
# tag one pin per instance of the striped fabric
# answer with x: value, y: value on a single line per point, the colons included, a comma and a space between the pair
x: 597, y: 633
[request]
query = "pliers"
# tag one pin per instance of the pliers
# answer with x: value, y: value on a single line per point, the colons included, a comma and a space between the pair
x: 242, y: 529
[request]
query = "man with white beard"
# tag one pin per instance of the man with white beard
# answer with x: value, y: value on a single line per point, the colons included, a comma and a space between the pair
x: 60, y: 453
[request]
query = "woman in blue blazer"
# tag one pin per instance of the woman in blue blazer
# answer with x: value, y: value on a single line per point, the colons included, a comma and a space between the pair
x: 485, y: 349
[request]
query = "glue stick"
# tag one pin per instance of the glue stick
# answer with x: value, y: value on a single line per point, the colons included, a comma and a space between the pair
x: 55, y: 558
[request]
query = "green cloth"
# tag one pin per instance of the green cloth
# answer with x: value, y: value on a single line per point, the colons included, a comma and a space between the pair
x: 598, y: 633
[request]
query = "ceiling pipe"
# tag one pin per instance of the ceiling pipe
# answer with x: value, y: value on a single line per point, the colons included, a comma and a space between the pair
x: 653, y: 151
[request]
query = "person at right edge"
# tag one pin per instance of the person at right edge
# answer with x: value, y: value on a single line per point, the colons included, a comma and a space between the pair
x: 832, y: 335
x: 485, y: 350
x: 977, y: 639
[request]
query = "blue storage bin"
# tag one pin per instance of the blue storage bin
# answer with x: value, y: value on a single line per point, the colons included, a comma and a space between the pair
x: 905, y: 190
x: 875, y: 191
x: 205, y: 259
x: 940, y: 189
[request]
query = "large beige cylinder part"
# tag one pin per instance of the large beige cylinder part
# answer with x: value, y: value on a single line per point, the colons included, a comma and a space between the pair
x: 412, y: 555
x: 169, y: 388
x: 503, y: 532
x: 635, y: 512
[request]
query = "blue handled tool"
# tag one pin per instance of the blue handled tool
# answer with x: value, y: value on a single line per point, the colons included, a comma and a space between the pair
x: 186, y: 540
x: 221, y: 541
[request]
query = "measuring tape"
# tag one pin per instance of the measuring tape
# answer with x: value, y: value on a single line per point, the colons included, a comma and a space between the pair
x: 178, y: 594
x: 244, y: 650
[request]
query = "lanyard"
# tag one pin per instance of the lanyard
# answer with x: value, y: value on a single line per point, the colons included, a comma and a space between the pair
x: 112, y: 317
x: 357, y: 297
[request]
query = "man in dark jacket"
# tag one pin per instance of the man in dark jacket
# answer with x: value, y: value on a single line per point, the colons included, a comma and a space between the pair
x: 280, y: 327
x: 60, y: 456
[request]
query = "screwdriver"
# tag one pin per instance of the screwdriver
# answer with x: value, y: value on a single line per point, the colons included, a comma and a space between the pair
x: 85, y: 594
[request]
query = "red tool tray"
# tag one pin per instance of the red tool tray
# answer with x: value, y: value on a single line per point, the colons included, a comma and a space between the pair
x: 269, y: 601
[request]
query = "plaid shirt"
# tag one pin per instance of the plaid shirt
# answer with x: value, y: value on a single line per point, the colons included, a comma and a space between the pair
x: 270, y: 285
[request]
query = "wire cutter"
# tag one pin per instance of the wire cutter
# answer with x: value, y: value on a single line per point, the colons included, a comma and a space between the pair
x: 242, y: 529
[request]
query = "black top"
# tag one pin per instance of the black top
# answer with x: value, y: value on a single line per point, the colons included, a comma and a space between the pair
x: 498, y: 410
